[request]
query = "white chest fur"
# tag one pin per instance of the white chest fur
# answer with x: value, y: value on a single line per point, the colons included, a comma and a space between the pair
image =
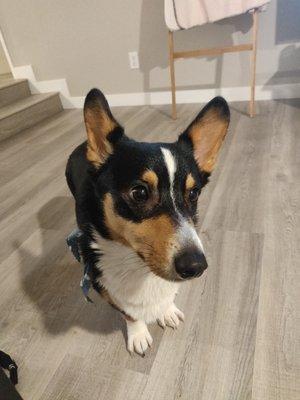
x: 131, y: 284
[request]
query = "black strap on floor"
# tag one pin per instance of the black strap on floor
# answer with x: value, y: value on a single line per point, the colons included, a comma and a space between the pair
x: 8, y: 363
x: 7, y: 388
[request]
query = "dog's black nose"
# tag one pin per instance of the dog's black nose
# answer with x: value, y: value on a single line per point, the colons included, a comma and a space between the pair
x: 190, y: 264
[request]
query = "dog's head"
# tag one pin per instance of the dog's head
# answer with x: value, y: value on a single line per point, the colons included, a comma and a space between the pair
x: 148, y: 191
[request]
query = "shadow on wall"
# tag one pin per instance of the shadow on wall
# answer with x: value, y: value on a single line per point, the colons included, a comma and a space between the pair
x: 289, y: 57
x: 153, y: 44
x: 51, y: 278
x: 288, y: 71
x: 288, y: 21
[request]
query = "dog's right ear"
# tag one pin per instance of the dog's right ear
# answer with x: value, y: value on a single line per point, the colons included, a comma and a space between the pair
x: 103, y: 131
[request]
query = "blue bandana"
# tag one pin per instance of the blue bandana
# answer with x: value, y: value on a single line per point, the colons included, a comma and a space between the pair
x: 73, y: 242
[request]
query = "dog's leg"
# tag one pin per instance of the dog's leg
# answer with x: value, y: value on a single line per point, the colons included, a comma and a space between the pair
x: 171, y: 317
x: 138, y: 337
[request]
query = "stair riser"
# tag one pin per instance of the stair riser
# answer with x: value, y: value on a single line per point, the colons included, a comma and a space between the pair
x: 13, y: 93
x: 30, y: 116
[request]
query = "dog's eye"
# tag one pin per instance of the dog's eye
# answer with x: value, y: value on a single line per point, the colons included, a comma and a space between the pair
x: 193, y: 194
x: 139, y: 193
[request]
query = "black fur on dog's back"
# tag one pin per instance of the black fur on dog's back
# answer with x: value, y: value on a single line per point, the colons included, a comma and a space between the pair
x: 81, y: 186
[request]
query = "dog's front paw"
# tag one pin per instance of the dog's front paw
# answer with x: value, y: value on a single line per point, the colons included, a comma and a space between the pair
x: 138, y: 337
x: 171, y: 317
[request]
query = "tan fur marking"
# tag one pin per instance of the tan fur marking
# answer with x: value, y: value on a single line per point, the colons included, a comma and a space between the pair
x: 207, y: 136
x: 190, y: 182
x: 98, y: 126
x: 151, y: 238
x: 151, y: 178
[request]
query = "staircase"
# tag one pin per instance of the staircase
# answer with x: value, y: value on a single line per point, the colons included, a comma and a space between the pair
x: 19, y: 109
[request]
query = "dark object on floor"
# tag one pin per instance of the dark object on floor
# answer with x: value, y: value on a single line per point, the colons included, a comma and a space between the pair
x: 6, y: 362
x: 7, y: 389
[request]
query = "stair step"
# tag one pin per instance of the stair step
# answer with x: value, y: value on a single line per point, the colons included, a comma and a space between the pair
x: 26, y: 112
x: 12, y: 90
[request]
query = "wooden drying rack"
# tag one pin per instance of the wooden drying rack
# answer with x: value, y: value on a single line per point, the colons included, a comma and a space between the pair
x: 173, y: 55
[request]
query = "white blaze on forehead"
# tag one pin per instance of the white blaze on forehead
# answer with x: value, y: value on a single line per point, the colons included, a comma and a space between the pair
x: 171, y: 167
x: 186, y: 233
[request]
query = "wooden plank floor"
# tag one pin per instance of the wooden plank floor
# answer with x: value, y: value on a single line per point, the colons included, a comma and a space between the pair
x: 241, y: 336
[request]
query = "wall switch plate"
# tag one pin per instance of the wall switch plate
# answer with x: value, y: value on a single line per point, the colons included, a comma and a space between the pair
x: 134, y: 60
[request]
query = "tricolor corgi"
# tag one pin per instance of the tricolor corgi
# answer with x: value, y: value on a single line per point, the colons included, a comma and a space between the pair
x: 136, y: 205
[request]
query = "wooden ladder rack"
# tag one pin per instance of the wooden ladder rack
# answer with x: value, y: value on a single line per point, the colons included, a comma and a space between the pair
x: 173, y: 55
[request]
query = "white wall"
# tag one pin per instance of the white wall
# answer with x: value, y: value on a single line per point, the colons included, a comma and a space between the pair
x: 87, y: 42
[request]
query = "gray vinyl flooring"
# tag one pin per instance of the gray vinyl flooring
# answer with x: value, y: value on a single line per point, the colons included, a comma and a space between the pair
x: 240, y: 339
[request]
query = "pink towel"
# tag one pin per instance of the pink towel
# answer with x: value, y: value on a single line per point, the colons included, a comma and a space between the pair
x: 184, y: 14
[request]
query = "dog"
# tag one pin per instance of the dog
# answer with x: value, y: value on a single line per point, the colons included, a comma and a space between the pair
x: 136, y: 204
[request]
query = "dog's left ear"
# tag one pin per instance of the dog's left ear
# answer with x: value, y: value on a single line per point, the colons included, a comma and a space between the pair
x: 102, y: 129
x: 206, y: 133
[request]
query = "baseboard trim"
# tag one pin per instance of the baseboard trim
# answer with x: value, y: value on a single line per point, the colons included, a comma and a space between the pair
x: 286, y: 91
x: 267, y: 92
x: 53, y: 85
x: 272, y: 92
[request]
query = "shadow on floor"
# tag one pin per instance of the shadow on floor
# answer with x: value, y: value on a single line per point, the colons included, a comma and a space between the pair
x: 50, y: 276
x: 290, y: 102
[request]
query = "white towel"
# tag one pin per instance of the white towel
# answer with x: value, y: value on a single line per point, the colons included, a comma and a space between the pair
x: 184, y: 14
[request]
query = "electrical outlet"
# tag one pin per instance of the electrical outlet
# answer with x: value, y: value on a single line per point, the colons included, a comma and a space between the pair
x: 134, y: 60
